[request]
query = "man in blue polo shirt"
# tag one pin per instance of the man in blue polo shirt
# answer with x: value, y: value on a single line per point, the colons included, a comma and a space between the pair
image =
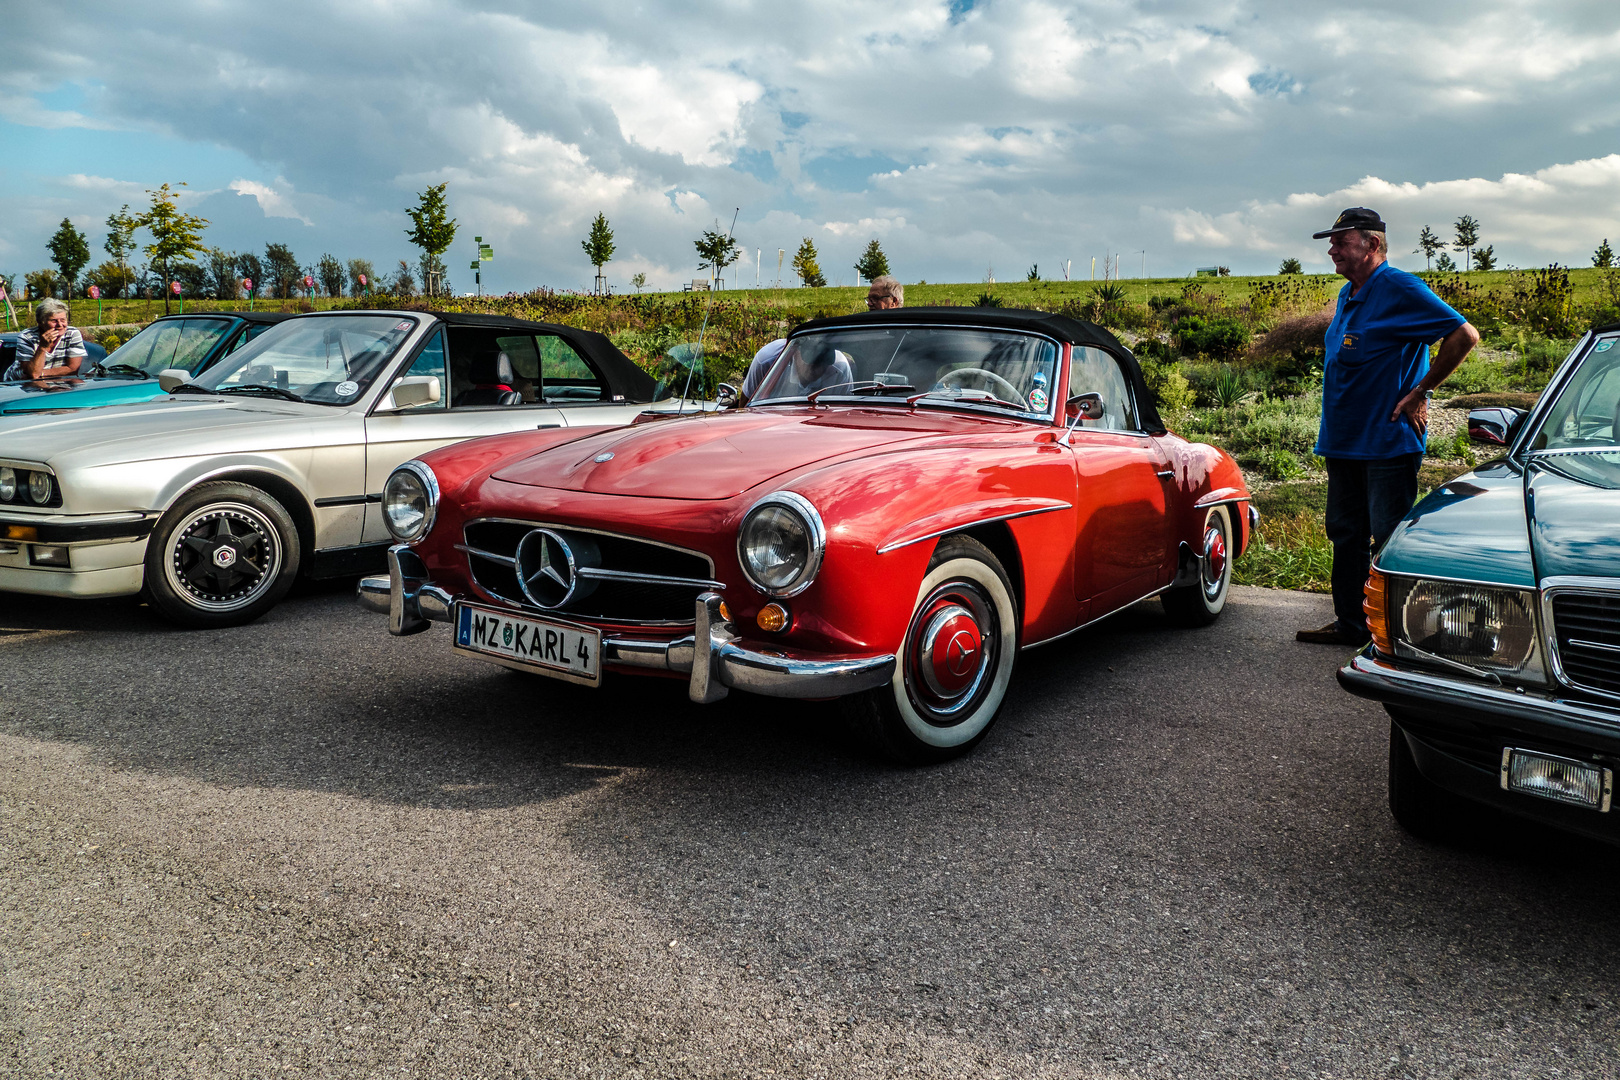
x: 1376, y: 386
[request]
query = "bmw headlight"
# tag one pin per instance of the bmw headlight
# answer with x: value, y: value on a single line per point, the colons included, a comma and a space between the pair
x: 39, y: 487
x: 781, y: 543
x: 410, y: 499
x: 1478, y: 626
x: 8, y: 484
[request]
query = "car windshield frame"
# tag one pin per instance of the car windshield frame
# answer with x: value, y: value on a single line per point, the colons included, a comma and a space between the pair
x: 872, y: 391
x: 180, y: 325
x: 1586, y: 447
x: 252, y: 368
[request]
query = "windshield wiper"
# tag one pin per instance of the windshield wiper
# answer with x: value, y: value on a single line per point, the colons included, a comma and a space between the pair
x: 963, y: 394
x: 192, y: 388
x: 871, y: 387
x: 259, y: 388
x: 124, y: 369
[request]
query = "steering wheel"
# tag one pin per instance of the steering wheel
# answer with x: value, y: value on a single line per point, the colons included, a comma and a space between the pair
x: 1012, y: 395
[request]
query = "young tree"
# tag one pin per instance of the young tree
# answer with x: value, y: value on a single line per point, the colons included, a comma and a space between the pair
x: 1034, y: 272
x: 874, y: 264
x: 1485, y: 258
x: 639, y: 280
x: 1429, y: 245
x: 248, y: 266
x: 1467, y: 236
x: 111, y: 278
x: 70, y: 251
x: 120, y: 243
x: 194, y: 280
x: 1444, y: 264
x: 359, y: 268
x: 805, y: 265
x: 599, y: 246
x: 41, y: 284
x: 281, y: 269
x: 222, y: 272
x: 717, y: 250
x: 176, y: 237
x: 403, y: 284
x: 1603, y: 257
x: 432, y: 231
x: 1290, y: 265
x: 330, y: 271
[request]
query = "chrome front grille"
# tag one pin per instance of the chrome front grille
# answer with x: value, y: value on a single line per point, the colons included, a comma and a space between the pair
x: 1586, y: 628
x: 585, y: 574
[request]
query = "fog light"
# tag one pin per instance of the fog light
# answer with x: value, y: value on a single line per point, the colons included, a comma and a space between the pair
x: 1561, y: 779
x: 47, y: 555
x: 772, y: 618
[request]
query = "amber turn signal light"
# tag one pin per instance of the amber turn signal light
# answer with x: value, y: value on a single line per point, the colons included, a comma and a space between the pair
x: 772, y: 618
x: 725, y: 612
x: 1375, y: 602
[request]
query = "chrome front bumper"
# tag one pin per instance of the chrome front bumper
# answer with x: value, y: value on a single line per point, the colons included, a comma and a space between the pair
x: 412, y: 604
x: 1522, y: 710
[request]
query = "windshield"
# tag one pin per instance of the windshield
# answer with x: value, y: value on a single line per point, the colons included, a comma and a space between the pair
x: 329, y: 359
x: 1580, y: 434
x: 999, y: 368
x: 170, y: 343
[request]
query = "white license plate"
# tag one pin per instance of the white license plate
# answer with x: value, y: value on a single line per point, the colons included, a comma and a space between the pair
x: 552, y: 648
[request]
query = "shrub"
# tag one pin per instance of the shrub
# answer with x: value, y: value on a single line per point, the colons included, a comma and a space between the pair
x: 1169, y: 386
x: 987, y: 299
x: 1478, y: 375
x: 1279, y: 464
x: 1289, y: 552
x: 1219, y: 337
x: 1543, y: 300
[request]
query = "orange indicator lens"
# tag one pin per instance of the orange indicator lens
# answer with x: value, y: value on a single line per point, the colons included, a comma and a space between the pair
x: 772, y: 618
x: 1375, y: 602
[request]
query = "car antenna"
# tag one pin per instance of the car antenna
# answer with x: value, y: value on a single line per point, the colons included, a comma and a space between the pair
x: 707, y: 307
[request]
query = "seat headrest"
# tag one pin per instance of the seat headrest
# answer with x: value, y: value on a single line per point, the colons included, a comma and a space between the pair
x: 492, y: 369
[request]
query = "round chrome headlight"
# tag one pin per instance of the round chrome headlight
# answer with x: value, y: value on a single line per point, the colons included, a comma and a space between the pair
x: 781, y: 543
x: 39, y: 487
x: 410, y: 499
x: 8, y: 484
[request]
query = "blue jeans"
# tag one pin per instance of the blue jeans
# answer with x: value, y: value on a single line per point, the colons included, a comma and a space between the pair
x: 1366, y: 500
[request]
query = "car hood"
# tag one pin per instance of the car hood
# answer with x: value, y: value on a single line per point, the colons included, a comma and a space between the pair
x: 1572, y: 524
x: 719, y: 456
x: 91, y: 394
x: 1471, y: 529
x: 168, y: 427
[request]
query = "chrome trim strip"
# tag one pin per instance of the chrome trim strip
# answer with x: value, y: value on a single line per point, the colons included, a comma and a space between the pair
x: 1377, y: 678
x: 1536, y: 455
x: 1453, y: 581
x: 490, y: 555
x: 1594, y: 645
x: 583, y: 529
x: 1098, y: 619
x: 650, y: 579
x: 818, y: 541
x: 972, y: 524
x: 1556, y: 585
x: 1544, y: 404
x: 1450, y: 665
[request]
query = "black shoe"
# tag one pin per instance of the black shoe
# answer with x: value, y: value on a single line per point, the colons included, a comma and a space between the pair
x: 1334, y: 634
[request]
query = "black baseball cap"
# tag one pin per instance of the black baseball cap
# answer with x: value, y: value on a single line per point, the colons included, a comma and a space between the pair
x: 1357, y: 217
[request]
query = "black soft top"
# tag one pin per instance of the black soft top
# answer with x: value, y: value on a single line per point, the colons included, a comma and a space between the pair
x: 622, y: 375
x: 263, y: 318
x: 1074, y: 331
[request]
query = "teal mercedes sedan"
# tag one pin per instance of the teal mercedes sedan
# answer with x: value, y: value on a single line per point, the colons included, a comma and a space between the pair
x: 1495, y: 616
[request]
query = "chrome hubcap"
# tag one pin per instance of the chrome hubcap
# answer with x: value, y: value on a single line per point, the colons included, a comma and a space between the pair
x: 1213, y: 561
x: 954, y: 642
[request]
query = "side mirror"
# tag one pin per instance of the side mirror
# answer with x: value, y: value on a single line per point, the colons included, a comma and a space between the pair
x: 412, y: 390
x: 1495, y: 425
x: 169, y: 378
x: 1084, y: 407
x: 727, y: 396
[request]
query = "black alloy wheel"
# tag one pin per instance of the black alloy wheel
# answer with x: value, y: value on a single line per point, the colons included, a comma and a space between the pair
x: 223, y: 555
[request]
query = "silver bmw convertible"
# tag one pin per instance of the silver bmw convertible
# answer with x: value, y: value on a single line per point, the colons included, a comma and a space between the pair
x: 212, y: 499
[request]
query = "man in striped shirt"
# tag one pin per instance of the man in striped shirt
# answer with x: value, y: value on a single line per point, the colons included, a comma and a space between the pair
x: 51, y: 348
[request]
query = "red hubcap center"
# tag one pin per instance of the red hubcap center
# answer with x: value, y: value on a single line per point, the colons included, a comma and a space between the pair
x: 1215, y: 554
x: 957, y: 649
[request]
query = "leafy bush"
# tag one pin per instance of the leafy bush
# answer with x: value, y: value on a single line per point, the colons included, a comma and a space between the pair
x: 1289, y: 552
x: 1279, y: 464
x: 1478, y: 375
x: 1169, y: 386
x: 1229, y: 388
x: 1219, y: 337
x: 1543, y: 301
x: 987, y: 299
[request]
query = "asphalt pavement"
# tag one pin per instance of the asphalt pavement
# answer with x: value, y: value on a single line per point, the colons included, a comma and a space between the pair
x: 304, y: 848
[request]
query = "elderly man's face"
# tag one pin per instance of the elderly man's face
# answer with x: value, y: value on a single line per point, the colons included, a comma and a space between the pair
x: 876, y: 301
x: 1350, y: 251
x: 57, y: 322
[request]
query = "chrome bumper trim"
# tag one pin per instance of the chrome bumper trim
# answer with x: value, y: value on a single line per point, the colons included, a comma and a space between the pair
x: 412, y: 604
x: 1380, y: 680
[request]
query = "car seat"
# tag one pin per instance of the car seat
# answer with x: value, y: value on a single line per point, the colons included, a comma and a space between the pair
x: 492, y: 379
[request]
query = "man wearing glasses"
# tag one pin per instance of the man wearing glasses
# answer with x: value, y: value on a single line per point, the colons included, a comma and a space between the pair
x: 885, y: 293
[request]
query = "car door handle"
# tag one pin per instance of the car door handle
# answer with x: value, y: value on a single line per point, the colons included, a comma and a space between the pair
x: 542, y: 427
x: 1165, y: 474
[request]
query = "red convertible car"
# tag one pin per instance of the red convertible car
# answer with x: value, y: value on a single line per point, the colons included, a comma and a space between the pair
x: 912, y: 498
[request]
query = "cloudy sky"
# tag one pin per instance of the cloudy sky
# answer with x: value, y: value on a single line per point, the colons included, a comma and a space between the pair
x: 968, y: 136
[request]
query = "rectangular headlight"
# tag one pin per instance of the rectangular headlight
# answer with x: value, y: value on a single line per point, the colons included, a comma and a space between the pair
x: 1561, y: 779
x: 1483, y: 627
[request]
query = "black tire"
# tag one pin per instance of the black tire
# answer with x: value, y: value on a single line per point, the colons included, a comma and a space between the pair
x: 936, y: 712
x: 223, y: 554
x: 1419, y: 805
x: 1202, y: 602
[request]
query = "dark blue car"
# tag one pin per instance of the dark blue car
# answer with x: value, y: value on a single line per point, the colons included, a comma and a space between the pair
x: 191, y: 343
x: 1495, y: 611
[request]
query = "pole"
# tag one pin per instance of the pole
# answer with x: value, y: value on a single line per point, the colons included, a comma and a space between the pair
x: 1144, y: 264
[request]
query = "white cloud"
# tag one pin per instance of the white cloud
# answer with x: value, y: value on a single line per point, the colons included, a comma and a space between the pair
x: 272, y: 202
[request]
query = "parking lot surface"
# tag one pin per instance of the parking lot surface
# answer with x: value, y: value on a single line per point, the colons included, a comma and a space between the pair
x: 304, y: 848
